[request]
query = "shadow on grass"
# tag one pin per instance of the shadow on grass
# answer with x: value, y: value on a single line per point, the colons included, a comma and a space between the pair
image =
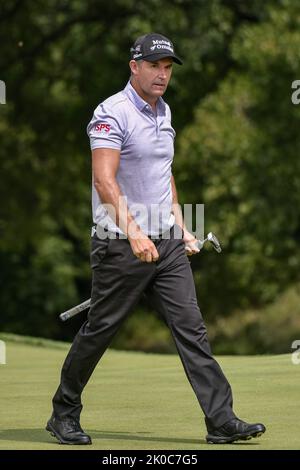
x: 41, y: 435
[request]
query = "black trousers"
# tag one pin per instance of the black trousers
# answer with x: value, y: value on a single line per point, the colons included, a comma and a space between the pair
x: 119, y: 281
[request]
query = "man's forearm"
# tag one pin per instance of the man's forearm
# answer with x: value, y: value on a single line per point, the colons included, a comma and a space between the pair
x: 176, y: 209
x: 111, y: 195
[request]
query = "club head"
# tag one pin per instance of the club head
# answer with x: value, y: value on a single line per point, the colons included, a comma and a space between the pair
x: 214, y: 241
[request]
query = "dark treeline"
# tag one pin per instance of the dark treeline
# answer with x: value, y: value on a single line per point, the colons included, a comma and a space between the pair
x: 237, y: 152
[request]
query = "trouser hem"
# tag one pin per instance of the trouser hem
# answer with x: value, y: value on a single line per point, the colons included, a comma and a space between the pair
x: 219, y: 419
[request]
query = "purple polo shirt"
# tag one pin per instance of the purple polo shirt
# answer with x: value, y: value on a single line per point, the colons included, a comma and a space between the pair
x: 127, y: 123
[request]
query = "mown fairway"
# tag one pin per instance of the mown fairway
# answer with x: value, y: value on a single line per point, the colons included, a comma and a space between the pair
x: 144, y: 401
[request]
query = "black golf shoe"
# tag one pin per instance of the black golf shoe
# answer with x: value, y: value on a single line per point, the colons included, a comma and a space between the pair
x: 67, y: 431
x: 234, y: 430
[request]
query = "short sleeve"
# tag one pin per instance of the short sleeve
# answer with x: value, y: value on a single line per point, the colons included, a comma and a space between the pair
x: 105, y: 128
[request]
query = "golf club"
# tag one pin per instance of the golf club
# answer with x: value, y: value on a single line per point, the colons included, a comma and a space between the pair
x: 213, y: 240
x: 84, y: 305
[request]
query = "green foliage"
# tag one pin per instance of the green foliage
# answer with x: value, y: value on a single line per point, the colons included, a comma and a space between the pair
x: 240, y: 156
x: 144, y: 331
x: 38, y: 284
x: 259, y: 331
x: 237, y: 148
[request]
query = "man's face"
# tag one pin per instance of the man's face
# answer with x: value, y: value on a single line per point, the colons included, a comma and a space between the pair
x: 152, y: 78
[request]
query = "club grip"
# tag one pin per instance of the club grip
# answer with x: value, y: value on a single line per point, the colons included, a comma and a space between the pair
x: 199, y: 244
x: 73, y: 311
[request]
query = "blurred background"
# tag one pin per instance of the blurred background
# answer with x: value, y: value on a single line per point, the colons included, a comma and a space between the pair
x: 237, y: 152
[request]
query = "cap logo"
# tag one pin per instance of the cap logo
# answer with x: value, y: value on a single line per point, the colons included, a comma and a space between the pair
x: 161, y: 41
x: 159, y: 44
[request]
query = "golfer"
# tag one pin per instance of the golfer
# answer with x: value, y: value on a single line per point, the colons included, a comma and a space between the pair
x: 138, y: 246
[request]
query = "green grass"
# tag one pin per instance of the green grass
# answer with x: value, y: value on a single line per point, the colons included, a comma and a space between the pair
x: 143, y: 401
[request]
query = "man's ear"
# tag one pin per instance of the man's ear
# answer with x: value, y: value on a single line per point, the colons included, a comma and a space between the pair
x: 133, y: 67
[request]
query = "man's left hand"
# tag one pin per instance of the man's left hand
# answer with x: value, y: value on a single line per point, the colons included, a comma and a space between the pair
x: 190, y: 244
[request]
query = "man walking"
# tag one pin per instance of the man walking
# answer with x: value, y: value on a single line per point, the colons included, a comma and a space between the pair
x: 132, y: 153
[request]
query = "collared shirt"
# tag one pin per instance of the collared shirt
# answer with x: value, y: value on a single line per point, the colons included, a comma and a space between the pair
x: 127, y: 123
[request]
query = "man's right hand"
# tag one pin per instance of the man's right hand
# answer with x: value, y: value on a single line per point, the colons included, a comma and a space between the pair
x: 143, y: 248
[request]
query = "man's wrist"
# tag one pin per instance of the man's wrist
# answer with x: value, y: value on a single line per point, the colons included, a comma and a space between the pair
x: 135, y: 232
x: 187, y: 236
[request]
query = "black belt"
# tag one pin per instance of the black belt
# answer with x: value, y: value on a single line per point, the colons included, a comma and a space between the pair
x: 121, y: 236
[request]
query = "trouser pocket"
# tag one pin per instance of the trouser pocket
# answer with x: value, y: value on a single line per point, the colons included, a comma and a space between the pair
x: 99, y: 249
